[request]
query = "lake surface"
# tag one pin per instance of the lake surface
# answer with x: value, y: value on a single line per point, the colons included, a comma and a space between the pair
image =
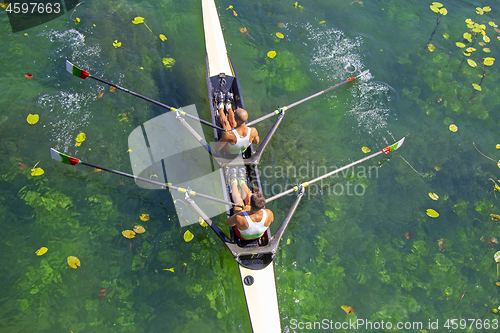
x: 362, y: 239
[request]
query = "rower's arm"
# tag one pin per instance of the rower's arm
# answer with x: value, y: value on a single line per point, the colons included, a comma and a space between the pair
x: 231, y: 222
x: 256, y: 140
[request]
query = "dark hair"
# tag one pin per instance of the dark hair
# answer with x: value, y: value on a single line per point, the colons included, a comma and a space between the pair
x: 257, y: 200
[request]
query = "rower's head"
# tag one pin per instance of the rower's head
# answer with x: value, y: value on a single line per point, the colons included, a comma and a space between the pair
x: 257, y: 201
x: 240, y: 115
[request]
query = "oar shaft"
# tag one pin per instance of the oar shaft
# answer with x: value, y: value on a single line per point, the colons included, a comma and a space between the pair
x: 386, y: 150
x: 275, y: 112
x: 134, y: 93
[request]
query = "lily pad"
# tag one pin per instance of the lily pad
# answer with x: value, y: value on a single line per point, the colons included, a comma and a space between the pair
x: 432, y: 213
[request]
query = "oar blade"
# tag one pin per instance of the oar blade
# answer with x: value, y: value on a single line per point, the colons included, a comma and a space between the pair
x: 76, y: 71
x: 63, y: 158
x: 393, y: 147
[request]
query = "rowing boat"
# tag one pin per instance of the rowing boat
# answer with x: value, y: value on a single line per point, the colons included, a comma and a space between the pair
x: 256, y: 271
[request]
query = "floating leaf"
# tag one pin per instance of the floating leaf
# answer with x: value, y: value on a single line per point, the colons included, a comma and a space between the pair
x: 434, y: 8
x: 468, y: 36
x: 73, y: 262
x: 163, y: 37
x: 495, y: 216
x: 243, y: 30
x: 488, y: 61
x: 139, y: 229
x: 37, y: 172
x: 100, y: 94
x: 487, y: 50
x: 434, y: 196
x: 471, y: 63
x: 80, y: 138
x: 470, y: 49
x: 407, y: 235
x: 347, y: 309
x: 117, y: 44
x: 280, y: 35
x: 497, y: 146
x: 453, y: 128
x: 271, y: 54
x: 492, y: 24
x: 479, y: 11
x: 486, y: 39
x: 188, y: 236
x: 431, y: 47
x: 432, y: 213
x: 460, y: 44
x: 202, y: 222
x: 128, y: 234
x: 322, y: 22
x: 169, y: 269
x: 443, y: 11
x: 441, y: 244
x: 446, y: 36
x: 112, y: 89
x: 498, y: 164
x: 168, y: 62
x: 41, y: 251
x: 77, y: 20
x: 288, y: 241
x: 437, y: 4
x: 497, y: 256
x: 32, y: 118
x: 487, y: 9
x: 366, y: 150
x: 138, y: 20
x: 29, y: 76
x: 144, y: 217
x: 230, y: 7
x: 467, y: 54
x: 476, y: 86
x: 469, y: 21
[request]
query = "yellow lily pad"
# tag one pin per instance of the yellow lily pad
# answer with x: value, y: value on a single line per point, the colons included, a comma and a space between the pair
x: 431, y: 47
x: 497, y: 146
x: 168, y: 62
x: 37, y: 172
x: 453, y: 128
x: 271, y: 54
x: 188, y: 236
x: 280, y: 35
x: 366, y: 150
x: 144, y: 217
x: 138, y: 229
x: 489, y: 61
x: 434, y: 196
x: 138, y: 20
x: 128, y: 234
x: 32, y: 119
x: 432, y: 213
x: 163, y: 37
x: 41, y: 251
x: 73, y: 262
x: 471, y: 63
x: 117, y: 44
x: 476, y: 86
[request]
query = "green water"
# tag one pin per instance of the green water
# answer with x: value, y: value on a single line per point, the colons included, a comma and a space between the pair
x: 341, y: 248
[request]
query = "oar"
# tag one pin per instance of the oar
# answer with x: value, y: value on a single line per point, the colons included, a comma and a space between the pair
x: 386, y: 150
x: 66, y: 159
x: 83, y: 75
x: 277, y: 111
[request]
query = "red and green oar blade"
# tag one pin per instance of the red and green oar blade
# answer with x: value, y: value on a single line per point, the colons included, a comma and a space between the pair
x: 66, y: 159
x: 386, y: 150
x: 76, y: 71
x: 63, y: 158
x: 275, y: 112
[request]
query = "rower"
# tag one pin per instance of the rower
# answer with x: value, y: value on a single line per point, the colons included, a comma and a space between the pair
x: 236, y: 140
x: 252, y: 222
